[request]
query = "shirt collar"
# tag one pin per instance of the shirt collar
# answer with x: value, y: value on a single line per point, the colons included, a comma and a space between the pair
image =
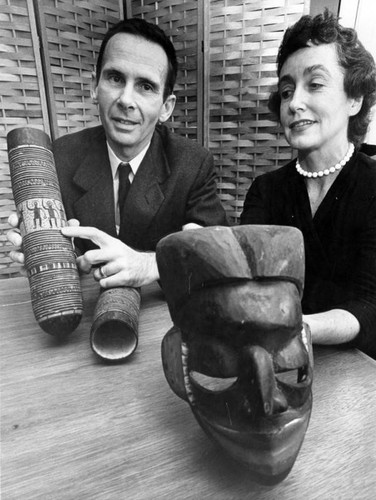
x: 134, y: 163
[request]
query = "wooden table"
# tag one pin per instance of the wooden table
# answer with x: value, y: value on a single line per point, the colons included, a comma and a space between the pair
x: 75, y: 428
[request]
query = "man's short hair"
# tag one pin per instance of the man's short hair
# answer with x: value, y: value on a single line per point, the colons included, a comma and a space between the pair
x: 150, y: 32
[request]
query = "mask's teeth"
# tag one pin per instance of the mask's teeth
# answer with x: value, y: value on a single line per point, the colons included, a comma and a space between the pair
x: 187, y: 382
x: 305, y: 339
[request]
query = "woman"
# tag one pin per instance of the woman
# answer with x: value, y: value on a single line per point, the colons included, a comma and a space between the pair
x: 326, y: 88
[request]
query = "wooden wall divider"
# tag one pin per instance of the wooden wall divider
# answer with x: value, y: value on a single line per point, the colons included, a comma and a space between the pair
x: 48, y: 50
x: 226, y: 51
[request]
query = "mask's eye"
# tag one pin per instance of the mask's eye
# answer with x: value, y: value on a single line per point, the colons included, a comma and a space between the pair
x: 212, y: 357
x: 212, y: 384
x: 293, y: 377
x: 293, y: 355
x: 290, y: 377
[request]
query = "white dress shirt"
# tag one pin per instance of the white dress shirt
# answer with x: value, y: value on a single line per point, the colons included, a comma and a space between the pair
x: 114, y: 162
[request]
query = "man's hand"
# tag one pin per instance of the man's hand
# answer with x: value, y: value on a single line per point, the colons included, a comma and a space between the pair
x: 15, y: 238
x: 120, y: 265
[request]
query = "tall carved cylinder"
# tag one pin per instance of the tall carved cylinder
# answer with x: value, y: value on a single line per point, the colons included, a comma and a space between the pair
x: 49, y: 256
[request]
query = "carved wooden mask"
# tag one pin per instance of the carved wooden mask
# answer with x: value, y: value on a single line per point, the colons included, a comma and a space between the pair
x: 238, y: 352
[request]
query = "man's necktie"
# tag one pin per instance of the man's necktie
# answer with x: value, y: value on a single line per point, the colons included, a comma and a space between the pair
x: 124, y: 185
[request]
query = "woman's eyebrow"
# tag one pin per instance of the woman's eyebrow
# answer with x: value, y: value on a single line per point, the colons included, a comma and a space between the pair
x: 285, y: 79
x: 307, y: 71
x: 316, y: 67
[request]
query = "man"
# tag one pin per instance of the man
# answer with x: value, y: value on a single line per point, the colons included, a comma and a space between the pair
x: 172, y: 179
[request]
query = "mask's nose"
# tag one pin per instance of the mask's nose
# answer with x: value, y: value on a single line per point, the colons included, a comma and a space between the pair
x: 259, y: 384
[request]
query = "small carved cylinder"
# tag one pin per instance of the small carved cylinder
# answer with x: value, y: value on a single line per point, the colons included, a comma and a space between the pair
x: 114, y: 332
x: 49, y: 256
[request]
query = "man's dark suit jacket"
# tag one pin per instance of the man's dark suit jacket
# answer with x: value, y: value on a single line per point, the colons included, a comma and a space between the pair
x: 174, y: 185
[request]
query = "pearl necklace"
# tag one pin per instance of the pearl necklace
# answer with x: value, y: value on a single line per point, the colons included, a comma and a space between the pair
x: 327, y: 171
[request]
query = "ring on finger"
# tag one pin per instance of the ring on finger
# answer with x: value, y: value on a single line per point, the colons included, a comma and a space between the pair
x: 102, y: 273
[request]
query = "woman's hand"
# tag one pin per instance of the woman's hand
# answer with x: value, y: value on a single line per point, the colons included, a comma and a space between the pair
x: 119, y: 264
x: 332, y: 327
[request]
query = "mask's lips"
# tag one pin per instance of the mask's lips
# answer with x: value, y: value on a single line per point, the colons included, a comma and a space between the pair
x: 268, y: 451
x: 282, y: 426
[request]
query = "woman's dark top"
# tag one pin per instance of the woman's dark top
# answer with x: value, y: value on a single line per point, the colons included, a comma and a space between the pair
x: 340, y: 240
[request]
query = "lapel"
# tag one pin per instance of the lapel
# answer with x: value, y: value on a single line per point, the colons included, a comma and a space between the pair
x: 94, y: 179
x: 147, y: 192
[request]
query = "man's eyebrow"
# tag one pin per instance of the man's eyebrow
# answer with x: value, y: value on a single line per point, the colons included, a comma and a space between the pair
x: 111, y: 69
x: 140, y: 78
x: 146, y: 79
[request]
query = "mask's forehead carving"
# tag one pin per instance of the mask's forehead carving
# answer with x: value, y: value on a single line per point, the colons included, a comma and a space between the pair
x: 261, y: 311
x: 238, y: 352
x: 191, y: 260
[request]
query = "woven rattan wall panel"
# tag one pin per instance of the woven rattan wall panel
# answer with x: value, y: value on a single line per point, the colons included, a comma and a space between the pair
x: 22, y: 100
x: 73, y: 31
x: 244, y: 138
x: 227, y: 51
x: 47, y: 89
x: 179, y: 20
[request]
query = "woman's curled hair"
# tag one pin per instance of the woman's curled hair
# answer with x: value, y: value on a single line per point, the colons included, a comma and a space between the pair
x: 357, y: 62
